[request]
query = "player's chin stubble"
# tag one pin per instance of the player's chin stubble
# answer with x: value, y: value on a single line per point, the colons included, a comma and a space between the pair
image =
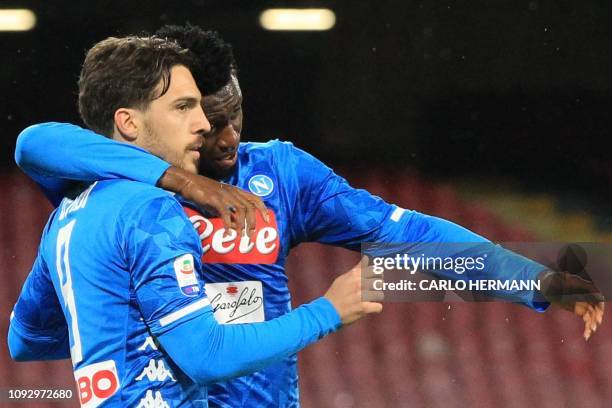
x: 154, y: 144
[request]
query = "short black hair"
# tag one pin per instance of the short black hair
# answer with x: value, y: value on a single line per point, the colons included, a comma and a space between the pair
x: 215, y: 55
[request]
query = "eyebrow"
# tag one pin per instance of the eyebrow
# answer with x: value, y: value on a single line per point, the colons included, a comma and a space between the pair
x: 187, y: 99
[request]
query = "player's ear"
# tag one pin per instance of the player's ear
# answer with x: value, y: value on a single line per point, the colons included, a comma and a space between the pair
x: 127, y: 124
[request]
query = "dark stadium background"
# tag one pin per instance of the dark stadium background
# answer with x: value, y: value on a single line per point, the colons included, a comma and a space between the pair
x: 437, y: 105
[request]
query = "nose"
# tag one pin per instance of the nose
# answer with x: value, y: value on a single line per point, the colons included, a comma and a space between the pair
x: 228, y: 139
x: 201, y: 123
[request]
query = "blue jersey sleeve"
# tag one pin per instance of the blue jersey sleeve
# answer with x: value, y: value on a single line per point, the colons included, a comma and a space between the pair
x: 52, y: 155
x: 38, y: 329
x: 210, y: 352
x: 329, y: 210
x: 164, y: 254
x: 336, y: 213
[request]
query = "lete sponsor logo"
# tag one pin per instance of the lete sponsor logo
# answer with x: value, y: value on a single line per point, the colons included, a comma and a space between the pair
x: 96, y: 383
x: 231, y: 249
x: 185, y: 275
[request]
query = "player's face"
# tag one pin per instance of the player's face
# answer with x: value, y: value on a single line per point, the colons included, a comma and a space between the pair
x: 224, y: 111
x: 175, y: 123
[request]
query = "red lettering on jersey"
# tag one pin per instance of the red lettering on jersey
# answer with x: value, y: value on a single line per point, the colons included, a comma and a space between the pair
x: 230, y: 249
x: 96, y: 383
x: 84, y: 387
x: 104, y: 389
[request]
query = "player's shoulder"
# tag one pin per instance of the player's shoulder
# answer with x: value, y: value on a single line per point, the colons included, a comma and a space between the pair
x: 147, y: 208
x: 128, y: 189
x: 273, y: 150
x: 268, y: 147
x: 128, y: 196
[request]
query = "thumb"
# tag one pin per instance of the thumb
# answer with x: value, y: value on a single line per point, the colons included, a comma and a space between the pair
x: 372, y: 307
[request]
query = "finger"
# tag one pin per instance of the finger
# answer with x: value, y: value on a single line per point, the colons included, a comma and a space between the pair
x: 586, y: 318
x: 368, y: 270
x: 371, y: 284
x: 355, y: 271
x: 587, y: 333
x: 592, y: 321
x: 597, y: 314
x: 596, y: 317
x: 582, y: 310
x: 587, y: 327
x: 231, y: 209
x: 372, y: 307
x: 600, y: 312
x: 373, y: 295
x: 227, y: 222
x: 260, y: 206
x: 250, y: 220
x: 370, y: 281
x: 589, y: 310
x: 236, y: 206
x: 239, y: 217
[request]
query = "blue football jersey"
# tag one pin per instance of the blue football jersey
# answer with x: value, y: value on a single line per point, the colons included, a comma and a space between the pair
x: 309, y: 203
x: 118, y: 263
x: 246, y: 280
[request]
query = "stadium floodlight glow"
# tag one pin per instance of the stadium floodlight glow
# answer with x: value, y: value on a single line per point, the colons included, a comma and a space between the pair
x: 310, y: 19
x: 17, y: 19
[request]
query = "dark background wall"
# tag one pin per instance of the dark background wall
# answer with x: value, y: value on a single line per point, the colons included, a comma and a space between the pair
x: 500, y: 88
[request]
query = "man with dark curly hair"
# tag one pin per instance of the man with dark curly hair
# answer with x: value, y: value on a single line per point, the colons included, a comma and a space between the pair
x: 306, y: 201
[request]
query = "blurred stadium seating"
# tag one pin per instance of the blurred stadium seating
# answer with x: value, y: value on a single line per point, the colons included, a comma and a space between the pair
x: 413, y: 355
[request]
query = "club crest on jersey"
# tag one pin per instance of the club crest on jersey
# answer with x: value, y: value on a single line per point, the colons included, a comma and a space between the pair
x: 217, y: 247
x: 185, y: 275
x: 261, y: 185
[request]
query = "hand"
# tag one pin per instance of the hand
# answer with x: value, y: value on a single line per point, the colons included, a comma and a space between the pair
x: 233, y: 205
x: 345, y: 293
x: 574, y: 294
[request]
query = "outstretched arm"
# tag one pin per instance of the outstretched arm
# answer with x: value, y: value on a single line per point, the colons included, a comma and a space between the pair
x: 335, y: 213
